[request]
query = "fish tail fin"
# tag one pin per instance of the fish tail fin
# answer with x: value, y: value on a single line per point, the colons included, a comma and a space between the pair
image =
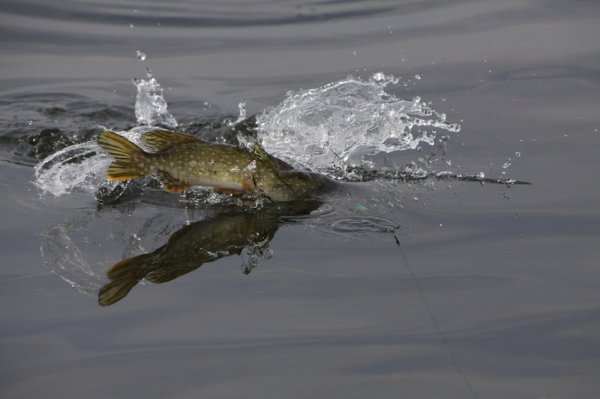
x: 116, y: 290
x: 129, y: 158
x: 124, y: 276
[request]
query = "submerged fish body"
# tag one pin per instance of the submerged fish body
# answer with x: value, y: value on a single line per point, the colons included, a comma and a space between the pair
x: 199, y: 243
x: 181, y: 161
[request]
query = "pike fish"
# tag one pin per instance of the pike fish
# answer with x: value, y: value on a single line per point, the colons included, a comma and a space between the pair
x: 181, y: 161
x: 199, y: 243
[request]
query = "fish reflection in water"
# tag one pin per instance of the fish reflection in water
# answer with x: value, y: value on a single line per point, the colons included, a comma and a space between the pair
x: 228, y: 233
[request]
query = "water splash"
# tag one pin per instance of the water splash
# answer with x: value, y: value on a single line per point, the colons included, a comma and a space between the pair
x: 80, y: 250
x: 255, y: 253
x: 63, y: 257
x: 150, y: 105
x: 80, y: 167
x: 342, y: 123
x: 335, y: 129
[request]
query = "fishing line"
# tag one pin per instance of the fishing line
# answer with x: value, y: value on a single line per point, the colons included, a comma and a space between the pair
x: 434, y: 322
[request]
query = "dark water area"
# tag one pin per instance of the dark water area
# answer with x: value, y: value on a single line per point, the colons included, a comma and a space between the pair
x: 429, y: 288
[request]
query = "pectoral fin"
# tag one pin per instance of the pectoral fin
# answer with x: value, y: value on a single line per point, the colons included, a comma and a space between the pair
x: 171, y: 184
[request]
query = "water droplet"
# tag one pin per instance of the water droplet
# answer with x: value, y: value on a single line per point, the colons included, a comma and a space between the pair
x: 30, y: 123
x: 131, y: 26
x: 517, y: 154
x: 506, y: 164
x: 354, y: 52
x: 418, y: 77
x: 481, y: 175
x: 140, y: 55
x: 150, y: 105
x: 242, y: 110
x: 378, y: 76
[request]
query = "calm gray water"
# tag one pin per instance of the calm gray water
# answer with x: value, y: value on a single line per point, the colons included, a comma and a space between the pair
x: 492, y: 292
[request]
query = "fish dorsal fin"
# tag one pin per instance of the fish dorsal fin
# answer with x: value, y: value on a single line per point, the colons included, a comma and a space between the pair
x: 161, y: 139
x: 171, y: 184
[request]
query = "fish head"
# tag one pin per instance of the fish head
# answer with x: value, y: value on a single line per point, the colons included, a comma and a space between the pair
x: 290, y: 185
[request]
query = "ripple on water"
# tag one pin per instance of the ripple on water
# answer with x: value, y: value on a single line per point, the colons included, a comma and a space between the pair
x: 363, y: 224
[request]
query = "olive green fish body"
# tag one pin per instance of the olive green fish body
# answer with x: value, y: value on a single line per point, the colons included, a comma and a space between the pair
x: 202, y: 164
x: 181, y: 161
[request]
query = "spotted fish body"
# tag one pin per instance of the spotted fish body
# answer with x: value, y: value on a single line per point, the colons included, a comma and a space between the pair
x: 181, y: 161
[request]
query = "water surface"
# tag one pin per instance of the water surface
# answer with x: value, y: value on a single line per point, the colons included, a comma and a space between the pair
x: 493, y: 290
